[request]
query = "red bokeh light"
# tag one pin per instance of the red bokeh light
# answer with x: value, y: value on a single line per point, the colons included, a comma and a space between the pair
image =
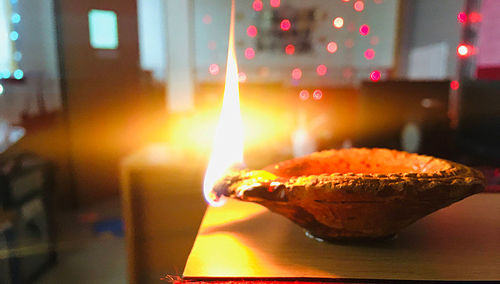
x: 213, y: 69
x: 285, y: 25
x: 374, y: 40
x: 338, y: 22
x: 275, y: 3
x: 290, y: 49
x: 454, y: 85
x: 252, y: 31
x: 349, y: 43
x: 369, y: 54
x: 351, y: 27
x: 317, y: 95
x: 321, y: 69
x: 296, y: 74
x: 304, y: 95
x: 207, y: 19
x: 212, y: 45
x: 257, y: 5
x: 359, y: 6
x: 346, y: 0
x: 249, y: 53
x: 364, y: 30
x: 464, y: 50
x: 332, y: 47
x: 475, y: 17
x: 375, y: 75
x: 347, y: 73
x: 462, y: 17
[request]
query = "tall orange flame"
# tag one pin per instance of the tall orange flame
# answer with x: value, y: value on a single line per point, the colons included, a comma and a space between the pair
x: 227, y: 147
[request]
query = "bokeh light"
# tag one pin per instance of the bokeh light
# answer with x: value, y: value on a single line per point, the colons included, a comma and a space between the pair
x: 252, y: 31
x: 375, y: 76
x: 321, y: 70
x: 242, y: 77
x: 2, y: 89
x: 463, y: 50
x: 296, y: 74
x: 369, y: 54
x: 454, y: 85
x: 304, y: 95
x: 285, y: 25
x: 338, y: 22
x: 364, y: 30
x: 290, y: 49
x: 317, y: 95
x: 275, y: 3
x: 16, y: 18
x: 213, y: 69
x: 462, y: 17
x: 349, y: 43
x: 212, y: 45
x: 347, y: 73
x: 13, y: 35
x: 207, y: 19
x: 249, y: 53
x: 257, y: 5
x: 475, y: 17
x: 332, y: 47
x: 18, y: 74
x: 359, y: 6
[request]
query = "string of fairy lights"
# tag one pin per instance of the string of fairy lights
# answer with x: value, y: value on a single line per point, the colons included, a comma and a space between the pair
x: 333, y: 46
x: 14, y: 36
x: 286, y: 25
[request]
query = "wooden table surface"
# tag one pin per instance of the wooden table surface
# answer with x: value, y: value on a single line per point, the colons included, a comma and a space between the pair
x: 460, y: 242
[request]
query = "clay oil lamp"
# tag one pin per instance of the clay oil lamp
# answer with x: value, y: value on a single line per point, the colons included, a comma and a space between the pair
x: 354, y: 194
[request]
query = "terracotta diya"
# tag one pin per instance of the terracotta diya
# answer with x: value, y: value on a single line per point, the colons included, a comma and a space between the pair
x: 354, y: 194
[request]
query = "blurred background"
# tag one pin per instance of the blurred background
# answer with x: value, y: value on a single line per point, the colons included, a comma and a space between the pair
x: 108, y: 110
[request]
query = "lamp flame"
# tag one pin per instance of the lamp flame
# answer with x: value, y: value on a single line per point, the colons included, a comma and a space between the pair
x: 227, y: 149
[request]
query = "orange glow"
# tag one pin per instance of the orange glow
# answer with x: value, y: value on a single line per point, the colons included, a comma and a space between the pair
x: 227, y: 149
x: 338, y: 22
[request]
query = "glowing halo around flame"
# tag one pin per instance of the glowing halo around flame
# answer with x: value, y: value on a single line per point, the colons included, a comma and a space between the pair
x: 227, y: 149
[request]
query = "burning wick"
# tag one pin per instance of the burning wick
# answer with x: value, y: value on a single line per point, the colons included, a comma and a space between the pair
x: 227, y: 149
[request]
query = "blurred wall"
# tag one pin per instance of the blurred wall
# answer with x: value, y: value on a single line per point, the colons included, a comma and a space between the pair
x: 429, y: 22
